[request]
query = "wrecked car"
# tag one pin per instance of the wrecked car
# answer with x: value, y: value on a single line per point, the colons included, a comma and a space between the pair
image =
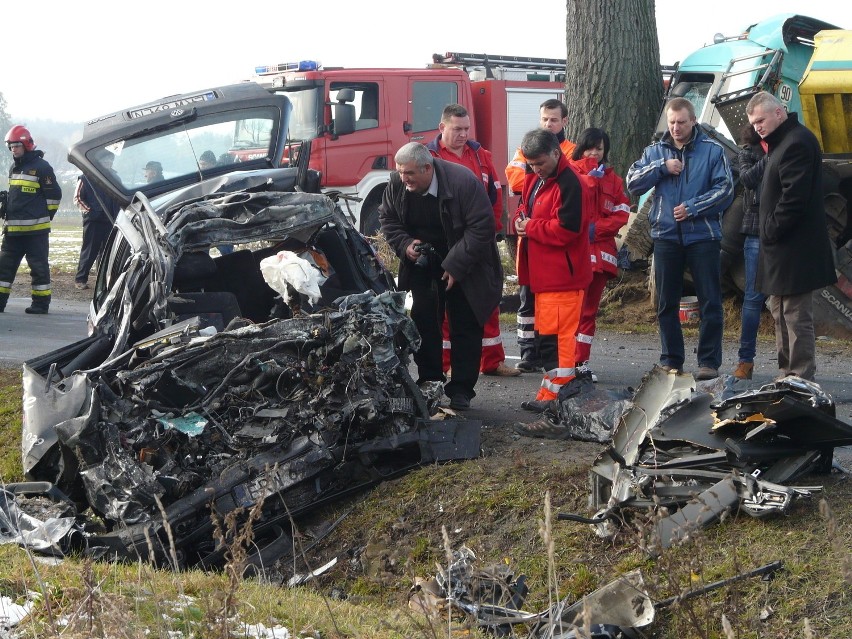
x: 247, y: 357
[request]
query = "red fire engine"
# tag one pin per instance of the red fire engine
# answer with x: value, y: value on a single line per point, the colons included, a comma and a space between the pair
x: 352, y: 121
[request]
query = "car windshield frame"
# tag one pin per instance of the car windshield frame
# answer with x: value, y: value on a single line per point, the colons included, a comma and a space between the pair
x: 306, y: 118
x: 183, y: 140
x: 173, y: 154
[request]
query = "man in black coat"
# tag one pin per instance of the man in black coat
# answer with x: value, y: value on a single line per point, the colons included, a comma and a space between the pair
x: 99, y: 211
x: 438, y: 219
x: 796, y: 256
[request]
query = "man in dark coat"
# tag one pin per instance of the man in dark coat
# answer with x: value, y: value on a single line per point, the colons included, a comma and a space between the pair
x: 796, y: 256
x: 437, y: 218
x: 99, y: 211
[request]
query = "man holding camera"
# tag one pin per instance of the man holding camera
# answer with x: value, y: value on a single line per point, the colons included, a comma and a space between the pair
x: 438, y: 219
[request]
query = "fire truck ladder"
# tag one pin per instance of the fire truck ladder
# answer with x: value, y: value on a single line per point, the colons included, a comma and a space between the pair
x: 488, y: 61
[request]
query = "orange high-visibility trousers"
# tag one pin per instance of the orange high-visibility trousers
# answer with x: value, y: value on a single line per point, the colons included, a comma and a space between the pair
x: 557, y: 316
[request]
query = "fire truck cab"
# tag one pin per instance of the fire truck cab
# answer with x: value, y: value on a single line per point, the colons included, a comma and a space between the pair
x: 352, y: 121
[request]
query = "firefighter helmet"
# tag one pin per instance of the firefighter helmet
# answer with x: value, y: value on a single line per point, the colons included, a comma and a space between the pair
x: 20, y: 133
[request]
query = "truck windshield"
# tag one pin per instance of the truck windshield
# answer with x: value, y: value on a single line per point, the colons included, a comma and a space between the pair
x: 304, y: 119
x: 696, y: 88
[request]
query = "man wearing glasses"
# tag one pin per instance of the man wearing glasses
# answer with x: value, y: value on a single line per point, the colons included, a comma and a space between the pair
x: 33, y: 200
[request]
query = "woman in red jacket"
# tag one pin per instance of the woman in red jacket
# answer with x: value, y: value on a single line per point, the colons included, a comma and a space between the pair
x: 589, y: 160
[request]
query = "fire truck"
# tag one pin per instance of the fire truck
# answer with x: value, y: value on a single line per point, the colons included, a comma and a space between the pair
x: 352, y: 121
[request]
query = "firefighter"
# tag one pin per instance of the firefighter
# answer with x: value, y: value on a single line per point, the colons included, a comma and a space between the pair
x: 611, y: 212
x: 554, y: 118
x: 453, y: 144
x: 33, y: 200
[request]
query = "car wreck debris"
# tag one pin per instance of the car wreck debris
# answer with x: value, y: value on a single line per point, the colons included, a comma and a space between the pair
x: 491, y: 597
x: 258, y: 383
x: 692, y: 454
x: 291, y: 413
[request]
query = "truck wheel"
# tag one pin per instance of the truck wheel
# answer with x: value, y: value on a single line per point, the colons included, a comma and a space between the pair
x: 837, y: 217
x: 638, y: 239
x: 370, y: 213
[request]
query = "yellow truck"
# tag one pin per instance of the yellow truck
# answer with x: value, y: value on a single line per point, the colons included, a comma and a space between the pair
x: 826, y: 94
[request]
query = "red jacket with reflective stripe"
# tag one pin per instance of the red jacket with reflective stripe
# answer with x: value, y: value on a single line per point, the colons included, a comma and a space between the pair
x: 610, y: 215
x: 554, y: 255
x: 478, y: 159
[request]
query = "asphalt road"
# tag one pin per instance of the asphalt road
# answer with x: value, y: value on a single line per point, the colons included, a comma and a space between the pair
x: 25, y: 336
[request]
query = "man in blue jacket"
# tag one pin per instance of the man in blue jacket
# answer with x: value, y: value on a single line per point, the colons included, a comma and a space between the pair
x: 692, y: 184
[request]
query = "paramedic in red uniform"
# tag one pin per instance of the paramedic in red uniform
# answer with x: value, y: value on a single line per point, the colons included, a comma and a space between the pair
x: 553, y: 260
x: 453, y: 144
x: 554, y: 118
x: 613, y: 208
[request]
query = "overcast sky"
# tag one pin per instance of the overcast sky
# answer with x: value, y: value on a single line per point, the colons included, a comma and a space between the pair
x: 79, y: 60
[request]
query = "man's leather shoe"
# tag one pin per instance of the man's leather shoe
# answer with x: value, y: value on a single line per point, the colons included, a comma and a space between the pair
x: 744, y: 370
x: 503, y: 371
x: 706, y: 372
x: 459, y: 402
x: 526, y: 366
x: 36, y: 310
x: 538, y: 405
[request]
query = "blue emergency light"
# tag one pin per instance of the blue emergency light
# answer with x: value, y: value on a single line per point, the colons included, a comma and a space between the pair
x: 301, y: 65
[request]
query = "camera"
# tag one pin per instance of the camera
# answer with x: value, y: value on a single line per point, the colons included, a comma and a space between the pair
x: 425, y: 250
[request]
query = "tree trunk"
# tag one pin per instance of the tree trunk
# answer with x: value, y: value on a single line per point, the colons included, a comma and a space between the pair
x: 613, y: 79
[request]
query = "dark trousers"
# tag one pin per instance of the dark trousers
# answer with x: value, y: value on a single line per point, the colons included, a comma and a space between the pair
x: 703, y: 260
x: 430, y: 300
x: 526, y: 326
x: 95, y: 233
x: 35, y: 248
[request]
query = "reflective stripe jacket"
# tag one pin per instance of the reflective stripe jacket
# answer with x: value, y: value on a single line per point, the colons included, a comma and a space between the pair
x: 34, y: 195
x: 610, y: 214
x: 554, y: 255
x: 516, y: 171
x: 478, y: 159
x: 705, y: 186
